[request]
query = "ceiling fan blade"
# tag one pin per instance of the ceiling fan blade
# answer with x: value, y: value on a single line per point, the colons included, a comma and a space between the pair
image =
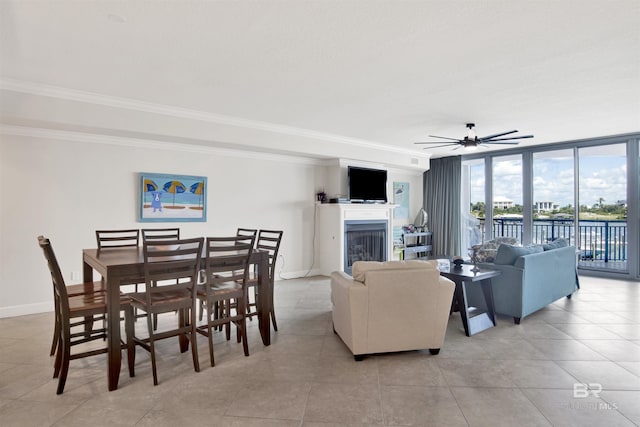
x: 510, y: 138
x: 495, y: 135
x: 499, y: 143
x: 445, y: 137
x: 438, y: 146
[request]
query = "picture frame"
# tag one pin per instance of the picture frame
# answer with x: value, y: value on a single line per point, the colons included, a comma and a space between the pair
x: 172, y: 198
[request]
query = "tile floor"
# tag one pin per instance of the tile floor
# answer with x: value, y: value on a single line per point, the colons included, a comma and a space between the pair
x: 511, y: 375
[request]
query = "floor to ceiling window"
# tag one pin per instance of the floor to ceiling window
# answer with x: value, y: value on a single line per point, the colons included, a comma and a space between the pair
x: 575, y: 190
x: 553, y: 209
x: 507, y: 196
x: 472, y: 203
x: 602, y: 205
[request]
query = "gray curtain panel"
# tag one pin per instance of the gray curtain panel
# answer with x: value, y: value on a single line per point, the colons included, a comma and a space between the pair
x: 442, y: 186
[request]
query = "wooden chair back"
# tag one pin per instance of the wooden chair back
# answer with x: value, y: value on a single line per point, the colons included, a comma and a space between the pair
x: 171, y: 268
x: 269, y: 241
x: 117, y: 238
x: 150, y: 234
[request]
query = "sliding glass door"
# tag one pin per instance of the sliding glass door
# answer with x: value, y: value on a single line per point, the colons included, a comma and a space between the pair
x: 553, y: 209
x: 603, y: 237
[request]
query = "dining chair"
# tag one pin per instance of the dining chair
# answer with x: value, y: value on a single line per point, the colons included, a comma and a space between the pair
x: 240, y: 232
x: 117, y: 238
x: 170, y: 273
x: 224, y: 291
x: 79, y: 289
x: 154, y: 234
x: 160, y: 234
x: 247, y: 232
x: 69, y: 307
x: 268, y: 241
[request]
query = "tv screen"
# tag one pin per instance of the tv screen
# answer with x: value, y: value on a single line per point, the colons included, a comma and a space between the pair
x: 367, y: 185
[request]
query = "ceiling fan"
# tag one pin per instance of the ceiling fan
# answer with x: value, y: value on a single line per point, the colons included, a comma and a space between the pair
x: 471, y: 141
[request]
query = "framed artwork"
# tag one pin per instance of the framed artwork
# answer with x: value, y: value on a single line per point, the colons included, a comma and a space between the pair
x: 172, y: 198
x: 401, y: 198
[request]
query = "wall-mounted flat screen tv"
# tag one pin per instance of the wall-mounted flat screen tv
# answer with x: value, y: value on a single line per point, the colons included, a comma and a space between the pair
x: 367, y: 185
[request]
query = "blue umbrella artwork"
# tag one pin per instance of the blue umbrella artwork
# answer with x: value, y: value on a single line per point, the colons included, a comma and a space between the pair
x: 198, y: 189
x: 151, y: 187
x: 174, y: 187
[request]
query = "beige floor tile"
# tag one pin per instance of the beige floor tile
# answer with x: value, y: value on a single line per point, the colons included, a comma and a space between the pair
x: 626, y: 402
x: 608, y: 374
x: 344, y: 403
x: 618, y: 350
x: 410, y: 369
x: 420, y: 406
x: 564, y: 350
x: 497, y: 407
x: 562, y: 409
x: 281, y: 400
x: 474, y: 373
x: 538, y: 373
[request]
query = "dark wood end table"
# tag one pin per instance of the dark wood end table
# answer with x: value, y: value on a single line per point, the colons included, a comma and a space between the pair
x: 473, y: 319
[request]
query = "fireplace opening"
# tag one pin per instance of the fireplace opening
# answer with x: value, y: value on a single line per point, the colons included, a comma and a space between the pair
x: 364, y: 240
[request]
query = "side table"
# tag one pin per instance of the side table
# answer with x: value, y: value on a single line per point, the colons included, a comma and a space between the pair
x: 473, y: 319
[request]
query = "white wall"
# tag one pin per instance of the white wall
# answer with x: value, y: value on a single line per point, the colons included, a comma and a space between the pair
x: 66, y: 190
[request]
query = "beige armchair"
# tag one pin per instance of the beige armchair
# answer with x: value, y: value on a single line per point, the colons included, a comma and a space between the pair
x: 391, y: 306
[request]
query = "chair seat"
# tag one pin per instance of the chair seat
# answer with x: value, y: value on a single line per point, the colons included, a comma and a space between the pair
x: 86, y: 288
x: 158, y: 298
x: 223, y: 289
x: 87, y: 305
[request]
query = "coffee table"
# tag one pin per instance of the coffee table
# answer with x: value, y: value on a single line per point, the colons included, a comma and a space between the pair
x: 474, y: 319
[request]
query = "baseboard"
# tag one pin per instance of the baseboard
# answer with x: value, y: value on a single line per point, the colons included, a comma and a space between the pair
x: 23, y: 310
x: 298, y: 274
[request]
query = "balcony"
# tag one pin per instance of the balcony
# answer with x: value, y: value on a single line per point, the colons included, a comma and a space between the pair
x: 602, y: 244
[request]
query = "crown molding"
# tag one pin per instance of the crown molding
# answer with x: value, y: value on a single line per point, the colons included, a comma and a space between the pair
x: 73, y: 136
x: 68, y: 94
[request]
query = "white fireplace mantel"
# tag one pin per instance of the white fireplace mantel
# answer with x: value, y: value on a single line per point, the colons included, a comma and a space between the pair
x: 330, y: 227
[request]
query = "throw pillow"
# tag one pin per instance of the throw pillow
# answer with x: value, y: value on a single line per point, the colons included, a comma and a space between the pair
x: 507, y: 254
x: 558, y: 243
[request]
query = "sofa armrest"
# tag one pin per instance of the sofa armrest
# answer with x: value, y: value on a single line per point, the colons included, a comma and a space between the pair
x: 350, y: 310
x: 548, y: 276
x: 507, y: 290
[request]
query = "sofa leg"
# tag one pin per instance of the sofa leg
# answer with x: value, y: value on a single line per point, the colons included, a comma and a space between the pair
x: 434, y: 351
x: 516, y: 320
x: 569, y: 296
x: 358, y: 357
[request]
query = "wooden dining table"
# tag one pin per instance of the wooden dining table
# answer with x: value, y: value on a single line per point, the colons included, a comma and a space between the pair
x: 122, y: 266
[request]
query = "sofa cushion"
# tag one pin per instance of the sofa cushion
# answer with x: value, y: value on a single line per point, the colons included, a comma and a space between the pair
x: 486, y: 252
x: 558, y: 243
x: 507, y: 254
x: 359, y: 268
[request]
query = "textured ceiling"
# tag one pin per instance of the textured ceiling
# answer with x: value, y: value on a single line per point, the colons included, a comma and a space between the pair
x: 314, y: 77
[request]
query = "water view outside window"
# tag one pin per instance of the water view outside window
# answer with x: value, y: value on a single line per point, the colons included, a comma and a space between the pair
x: 602, y: 204
x: 553, y: 207
x: 507, y: 196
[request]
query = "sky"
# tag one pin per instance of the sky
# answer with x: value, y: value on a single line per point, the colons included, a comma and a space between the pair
x: 602, y: 175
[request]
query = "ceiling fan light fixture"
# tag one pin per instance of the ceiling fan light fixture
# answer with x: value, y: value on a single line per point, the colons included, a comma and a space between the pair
x: 470, y: 145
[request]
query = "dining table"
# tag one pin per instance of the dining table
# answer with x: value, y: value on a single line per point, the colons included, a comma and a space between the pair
x: 123, y: 266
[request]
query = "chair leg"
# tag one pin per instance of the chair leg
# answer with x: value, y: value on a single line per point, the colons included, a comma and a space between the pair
x: 273, y: 320
x: 56, y: 332
x: 152, y: 349
x: 194, y: 343
x: 129, y: 319
x: 65, y: 353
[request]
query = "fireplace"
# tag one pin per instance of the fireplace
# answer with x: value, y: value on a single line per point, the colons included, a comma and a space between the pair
x: 364, y: 240
x: 350, y: 232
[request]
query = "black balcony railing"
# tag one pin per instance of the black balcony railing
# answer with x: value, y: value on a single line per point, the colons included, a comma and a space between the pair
x: 598, y: 240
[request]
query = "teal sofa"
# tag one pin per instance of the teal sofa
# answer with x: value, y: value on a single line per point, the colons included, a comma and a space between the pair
x: 532, y: 277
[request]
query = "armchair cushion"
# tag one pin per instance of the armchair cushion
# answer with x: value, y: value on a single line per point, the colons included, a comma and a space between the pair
x: 360, y: 268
